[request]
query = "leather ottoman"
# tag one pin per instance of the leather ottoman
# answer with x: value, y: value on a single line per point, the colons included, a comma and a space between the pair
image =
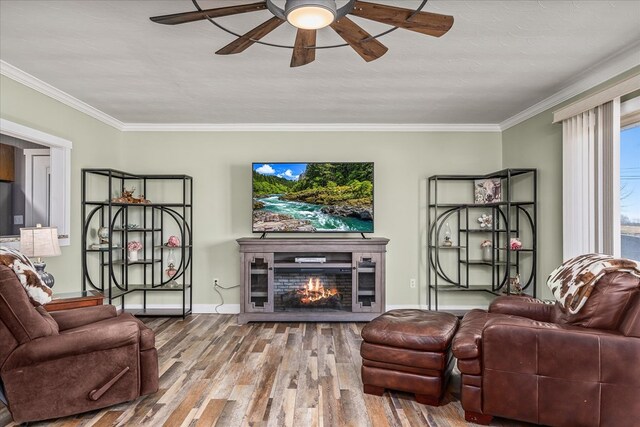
x: 410, y: 351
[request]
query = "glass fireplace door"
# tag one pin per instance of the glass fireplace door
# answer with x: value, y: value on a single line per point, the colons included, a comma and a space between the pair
x: 366, y: 297
x: 259, y: 296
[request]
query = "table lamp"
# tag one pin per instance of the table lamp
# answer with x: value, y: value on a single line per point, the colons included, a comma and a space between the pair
x: 40, y: 242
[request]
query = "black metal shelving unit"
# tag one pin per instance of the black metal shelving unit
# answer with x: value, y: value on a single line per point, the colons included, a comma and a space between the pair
x: 108, y: 269
x: 451, y: 268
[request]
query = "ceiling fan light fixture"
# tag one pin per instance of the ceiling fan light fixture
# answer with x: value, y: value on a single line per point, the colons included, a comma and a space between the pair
x: 310, y: 14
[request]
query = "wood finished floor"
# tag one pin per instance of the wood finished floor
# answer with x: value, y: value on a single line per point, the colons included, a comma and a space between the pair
x: 216, y: 372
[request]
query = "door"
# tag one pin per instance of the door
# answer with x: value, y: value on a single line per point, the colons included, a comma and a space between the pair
x: 37, y: 187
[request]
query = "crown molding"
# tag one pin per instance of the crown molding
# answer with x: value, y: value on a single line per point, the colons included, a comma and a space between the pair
x: 15, y: 73
x: 308, y: 127
x: 608, y: 68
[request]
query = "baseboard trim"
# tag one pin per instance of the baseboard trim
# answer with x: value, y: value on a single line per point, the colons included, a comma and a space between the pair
x: 235, y: 308
x: 197, y: 308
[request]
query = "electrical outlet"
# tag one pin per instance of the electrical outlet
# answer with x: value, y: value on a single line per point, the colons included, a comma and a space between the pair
x: 412, y: 283
x: 216, y: 281
x: 18, y: 220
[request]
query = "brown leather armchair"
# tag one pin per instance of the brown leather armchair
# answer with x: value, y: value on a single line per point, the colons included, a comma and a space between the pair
x: 67, y: 362
x: 537, y: 363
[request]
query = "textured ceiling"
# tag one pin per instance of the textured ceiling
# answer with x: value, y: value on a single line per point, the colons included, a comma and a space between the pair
x: 499, y: 58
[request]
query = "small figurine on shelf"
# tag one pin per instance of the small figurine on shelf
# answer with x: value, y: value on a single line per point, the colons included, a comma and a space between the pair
x: 486, y: 221
x: 173, y: 242
x: 133, y: 247
x: 515, y: 244
x: 486, y: 247
x: 515, y: 288
x: 447, y: 236
x: 127, y: 197
x: 103, y: 235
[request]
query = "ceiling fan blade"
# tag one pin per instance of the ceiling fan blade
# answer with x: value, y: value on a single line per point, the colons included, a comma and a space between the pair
x: 356, y: 37
x: 302, y: 55
x: 432, y: 24
x: 181, y: 18
x: 248, y: 39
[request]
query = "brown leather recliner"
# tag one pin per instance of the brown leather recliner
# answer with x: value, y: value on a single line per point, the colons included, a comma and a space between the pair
x: 537, y: 363
x: 67, y: 362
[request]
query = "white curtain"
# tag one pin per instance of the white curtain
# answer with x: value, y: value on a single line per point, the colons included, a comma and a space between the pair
x: 591, y: 181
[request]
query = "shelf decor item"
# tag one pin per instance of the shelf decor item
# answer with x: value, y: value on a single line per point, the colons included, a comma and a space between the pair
x: 515, y: 288
x: 40, y: 242
x: 127, y: 197
x: 173, y: 242
x: 515, y: 244
x: 133, y: 247
x: 487, y: 253
x: 171, y: 268
x: 486, y: 221
x: 487, y: 190
x: 446, y: 241
x: 103, y: 236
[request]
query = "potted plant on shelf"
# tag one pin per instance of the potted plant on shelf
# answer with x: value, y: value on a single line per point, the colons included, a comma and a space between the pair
x: 133, y: 247
x: 487, y: 254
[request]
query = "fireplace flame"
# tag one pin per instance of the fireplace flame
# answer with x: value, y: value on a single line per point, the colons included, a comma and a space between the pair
x: 313, y: 292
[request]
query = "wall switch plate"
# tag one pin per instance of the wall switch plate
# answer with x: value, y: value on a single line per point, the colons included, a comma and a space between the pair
x: 18, y: 220
x: 412, y: 283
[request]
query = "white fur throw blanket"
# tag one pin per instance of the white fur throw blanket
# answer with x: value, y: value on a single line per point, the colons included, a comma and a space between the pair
x: 26, y: 272
x: 573, y: 281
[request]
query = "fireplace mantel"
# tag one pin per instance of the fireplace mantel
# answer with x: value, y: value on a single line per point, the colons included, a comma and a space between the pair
x: 273, y: 269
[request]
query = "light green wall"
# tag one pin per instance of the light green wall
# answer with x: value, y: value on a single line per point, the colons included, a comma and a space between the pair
x: 94, y: 144
x: 220, y: 164
x: 537, y: 143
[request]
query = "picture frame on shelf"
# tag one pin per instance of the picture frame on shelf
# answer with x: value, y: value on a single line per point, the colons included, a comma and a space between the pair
x: 487, y: 190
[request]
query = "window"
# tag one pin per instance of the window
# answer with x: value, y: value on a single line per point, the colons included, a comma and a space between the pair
x: 630, y: 192
x: 59, y: 181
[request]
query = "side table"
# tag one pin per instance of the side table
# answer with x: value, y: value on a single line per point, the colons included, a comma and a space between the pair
x: 70, y: 300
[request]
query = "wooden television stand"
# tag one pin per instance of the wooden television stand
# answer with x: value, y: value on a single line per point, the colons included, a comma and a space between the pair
x: 297, y: 279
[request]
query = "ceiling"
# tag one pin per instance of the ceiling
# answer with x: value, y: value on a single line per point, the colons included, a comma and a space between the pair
x: 499, y: 58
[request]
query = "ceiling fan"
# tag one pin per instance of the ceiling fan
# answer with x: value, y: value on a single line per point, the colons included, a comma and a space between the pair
x: 308, y: 16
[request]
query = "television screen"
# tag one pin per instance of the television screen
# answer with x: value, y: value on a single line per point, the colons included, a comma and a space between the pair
x: 313, y: 197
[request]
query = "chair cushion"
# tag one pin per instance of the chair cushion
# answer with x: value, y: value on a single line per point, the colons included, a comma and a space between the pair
x: 147, y: 336
x: 607, y: 305
x: 412, y: 329
x: 18, y: 314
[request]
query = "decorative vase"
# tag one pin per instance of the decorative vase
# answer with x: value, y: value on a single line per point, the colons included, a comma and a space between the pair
x: 447, y: 241
x: 487, y: 253
x: 171, y: 269
x: 133, y: 255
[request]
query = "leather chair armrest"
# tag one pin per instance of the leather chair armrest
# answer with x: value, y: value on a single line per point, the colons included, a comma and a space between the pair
x: 571, y: 353
x: 69, y: 344
x: 69, y: 319
x: 528, y: 307
x: 467, y: 342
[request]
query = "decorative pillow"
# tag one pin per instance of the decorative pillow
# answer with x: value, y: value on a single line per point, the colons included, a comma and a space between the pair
x: 38, y: 292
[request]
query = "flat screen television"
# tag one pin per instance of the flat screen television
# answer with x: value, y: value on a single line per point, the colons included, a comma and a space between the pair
x: 313, y: 197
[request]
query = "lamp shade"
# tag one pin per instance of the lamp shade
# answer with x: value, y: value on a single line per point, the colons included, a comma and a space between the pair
x: 39, y: 241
